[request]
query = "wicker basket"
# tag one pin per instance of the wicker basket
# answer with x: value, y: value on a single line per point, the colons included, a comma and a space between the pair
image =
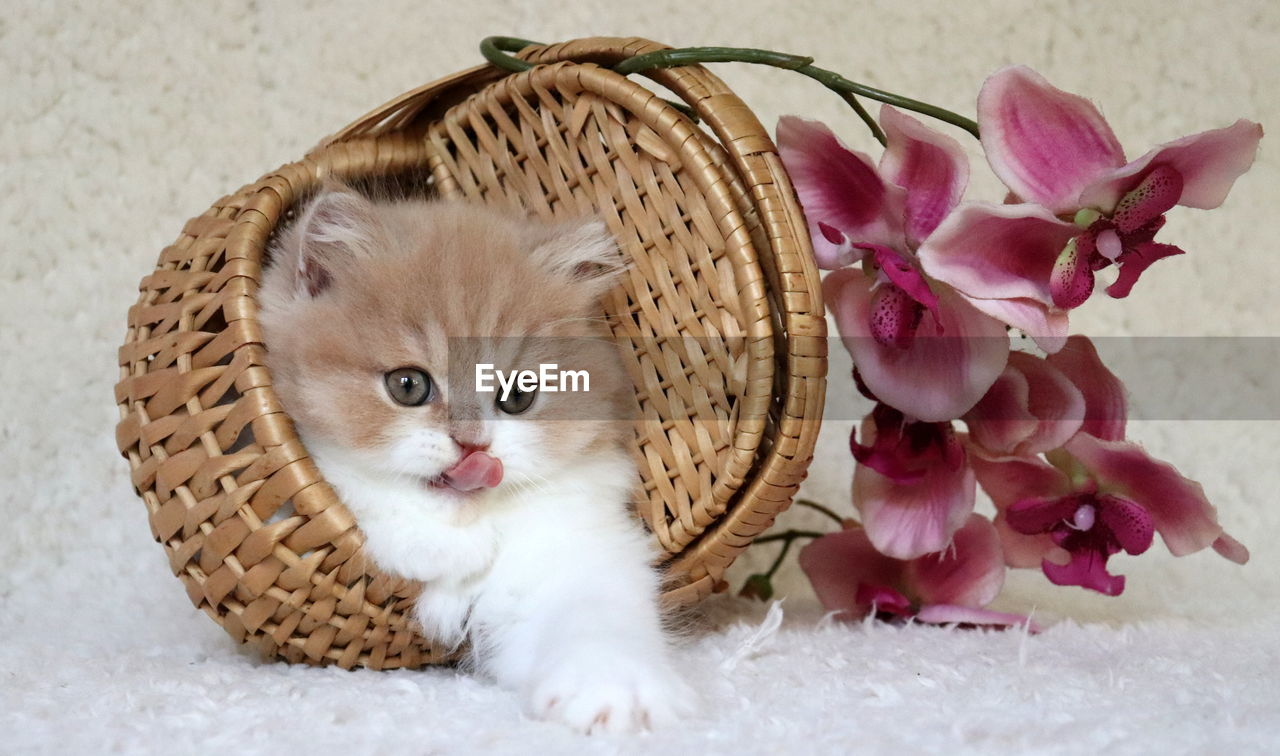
x: 723, y: 309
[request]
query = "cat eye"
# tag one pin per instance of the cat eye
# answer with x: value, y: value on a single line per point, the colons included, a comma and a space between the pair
x: 517, y: 401
x: 409, y: 386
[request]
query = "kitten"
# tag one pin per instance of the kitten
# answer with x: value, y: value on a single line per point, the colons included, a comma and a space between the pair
x: 513, y: 512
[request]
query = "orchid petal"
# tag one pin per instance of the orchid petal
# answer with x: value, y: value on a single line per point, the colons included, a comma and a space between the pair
x: 839, y: 252
x: 1025, y: 551
x: 1030, y: 409
x: 997, y: 251
x: 1041, y: 514
x: 890, y: 463
x: 1230, y: 548
x: 1150, y: 199
x: 839, y: 188
x: 950, y: 363
x: 1009, y: 481
x: 1131, y: 525
x: 1047, y: 326
x: 890, y: 451
x: 1134, y: 262
x: 903, y: 273
x: 1105, y: 407
x: 837, y: 564
x: 894, y: 316
x: 945, y: 614
x: 929, y: 165
x: 1208, y: 162
x: 1071, y: 282
x: 882, y: 599
x: 1045, y: 144
x: 907, y: 520
x: 1000, y: 420
x: 968, y: 573
x: 1182, y: 515
x: 898, y: 303
x: 1087, y: 569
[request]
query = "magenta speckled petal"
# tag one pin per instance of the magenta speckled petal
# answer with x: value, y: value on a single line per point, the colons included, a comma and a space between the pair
x: 1135, y: 262
x: 949, y: 364
x: 1178, y: 507
x: 1149, y: 200
x: 1087, y: 569
x: 1128, y: 522
x: 1209, y: 164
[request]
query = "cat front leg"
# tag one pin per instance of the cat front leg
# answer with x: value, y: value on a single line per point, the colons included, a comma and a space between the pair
x: 571, y: 620
x: 415, y: 545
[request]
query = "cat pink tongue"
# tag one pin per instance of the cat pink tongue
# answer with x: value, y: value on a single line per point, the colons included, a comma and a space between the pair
x: 476, y: 470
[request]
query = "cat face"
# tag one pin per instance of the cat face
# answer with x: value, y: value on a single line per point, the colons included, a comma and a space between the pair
x: 375, y: 315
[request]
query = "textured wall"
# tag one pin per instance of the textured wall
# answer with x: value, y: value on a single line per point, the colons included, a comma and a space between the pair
x: 121, y: 121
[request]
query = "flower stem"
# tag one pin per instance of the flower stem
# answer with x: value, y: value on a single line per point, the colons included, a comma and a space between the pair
x: 789, y: 536
x: 801, y: 65
x: 495, y: 50
x: 760, y: 585
x: 786, y: 546
x: 816, y: 506
x: 867, y: 118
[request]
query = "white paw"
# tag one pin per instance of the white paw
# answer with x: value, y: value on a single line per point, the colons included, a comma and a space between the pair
x: 442, y: 612
x: 611, y: 694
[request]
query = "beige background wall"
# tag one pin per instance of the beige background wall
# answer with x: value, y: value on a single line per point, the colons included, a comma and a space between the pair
x: 120, y: 121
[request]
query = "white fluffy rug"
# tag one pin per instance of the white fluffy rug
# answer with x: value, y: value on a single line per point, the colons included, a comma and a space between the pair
x: 120, y: 121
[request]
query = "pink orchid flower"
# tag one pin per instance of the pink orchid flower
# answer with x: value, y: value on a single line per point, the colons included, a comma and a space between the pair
x: 1037, y: 404
x: 913, y: 485
x: 917, y: 345
x: 1098, y: 498
x: 1101, y: 494
x: 1083, y: 206
x: 851, y: 577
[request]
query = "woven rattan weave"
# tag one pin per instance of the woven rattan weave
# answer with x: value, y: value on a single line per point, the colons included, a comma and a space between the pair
x: 722, y: 312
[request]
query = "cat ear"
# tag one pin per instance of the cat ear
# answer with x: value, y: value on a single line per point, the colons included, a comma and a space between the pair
x: 585, y: 252
x: 338, y: 227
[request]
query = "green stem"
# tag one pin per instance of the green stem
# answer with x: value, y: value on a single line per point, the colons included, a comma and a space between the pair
x: 867, y: 118
x: 495, y: 50
x: 786, y: 546
x: 787, y: 538
x: 829, y: 79
x: 816, y: 506
x: 789, y: 535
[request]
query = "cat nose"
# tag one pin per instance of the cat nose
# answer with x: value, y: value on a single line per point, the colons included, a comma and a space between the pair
x: 468, y: 446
